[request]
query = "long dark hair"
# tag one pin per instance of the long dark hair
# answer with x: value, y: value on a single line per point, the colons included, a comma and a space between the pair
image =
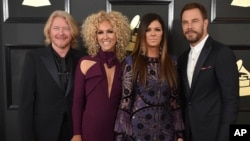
x: 167, y: 68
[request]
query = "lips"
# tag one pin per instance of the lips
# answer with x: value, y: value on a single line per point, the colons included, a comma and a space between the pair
x: 152, y: 39
x: 106, y: 43
x: 61, y: 37
x: 191, y: 32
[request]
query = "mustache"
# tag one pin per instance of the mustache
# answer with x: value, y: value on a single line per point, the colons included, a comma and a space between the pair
x: 190, y: 31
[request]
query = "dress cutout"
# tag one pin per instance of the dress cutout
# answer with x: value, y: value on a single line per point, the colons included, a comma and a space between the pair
x: 94, y: 113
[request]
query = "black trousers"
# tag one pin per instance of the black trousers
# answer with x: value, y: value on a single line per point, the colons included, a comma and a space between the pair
x: 65, y: 134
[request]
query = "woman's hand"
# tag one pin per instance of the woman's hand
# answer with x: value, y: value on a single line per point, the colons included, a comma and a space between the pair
x: 76, y: 138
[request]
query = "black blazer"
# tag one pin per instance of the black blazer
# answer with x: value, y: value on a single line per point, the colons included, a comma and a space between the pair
x: 42, y: 98
x: 211, y: 104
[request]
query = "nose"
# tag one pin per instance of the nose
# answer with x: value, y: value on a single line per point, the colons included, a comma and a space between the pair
x: 61, y: 30
x: 189, y: 25
x: 152, y: 32
x: 105, y: 35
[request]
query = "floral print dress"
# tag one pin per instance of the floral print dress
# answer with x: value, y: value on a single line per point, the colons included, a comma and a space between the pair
x: 152, y: 112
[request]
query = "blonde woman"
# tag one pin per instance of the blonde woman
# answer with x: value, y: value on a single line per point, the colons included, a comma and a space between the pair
x: 97, y: 89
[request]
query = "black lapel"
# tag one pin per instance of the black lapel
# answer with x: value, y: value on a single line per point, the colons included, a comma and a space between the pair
x: 74, y: 60
x: 71, y: 78
x: 184, y: 74
x: 202, y: 58
x: 49, y: 62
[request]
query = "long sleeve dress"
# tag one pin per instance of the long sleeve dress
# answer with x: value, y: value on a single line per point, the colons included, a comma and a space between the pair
x: 94, y: 112
x: 155, y: 114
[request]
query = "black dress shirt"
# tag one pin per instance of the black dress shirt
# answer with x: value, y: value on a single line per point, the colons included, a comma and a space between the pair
x: 63, y: 67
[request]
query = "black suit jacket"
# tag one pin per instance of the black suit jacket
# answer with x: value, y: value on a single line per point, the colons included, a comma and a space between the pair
x: 43, y: 102
x: 211, y: 104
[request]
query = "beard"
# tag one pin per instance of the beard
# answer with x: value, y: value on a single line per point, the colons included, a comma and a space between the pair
x: 194, y: 38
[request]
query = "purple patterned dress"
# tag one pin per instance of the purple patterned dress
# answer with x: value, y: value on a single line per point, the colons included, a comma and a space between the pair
x: 156, y: 113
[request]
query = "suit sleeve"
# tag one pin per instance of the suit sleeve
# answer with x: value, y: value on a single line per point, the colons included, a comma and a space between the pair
x: 78, y: 99
x: 228, y: 77
x: 26, y: 99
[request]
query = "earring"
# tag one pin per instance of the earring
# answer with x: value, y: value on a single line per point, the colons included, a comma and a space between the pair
x: 160, y: 50
x: 117, y: 46
x: 98, y: 46
x: 142, y: 52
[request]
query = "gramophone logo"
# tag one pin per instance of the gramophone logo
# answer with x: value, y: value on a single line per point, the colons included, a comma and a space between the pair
x: 36, y: 3
x: 134, y: 24
x: 244, y: 79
